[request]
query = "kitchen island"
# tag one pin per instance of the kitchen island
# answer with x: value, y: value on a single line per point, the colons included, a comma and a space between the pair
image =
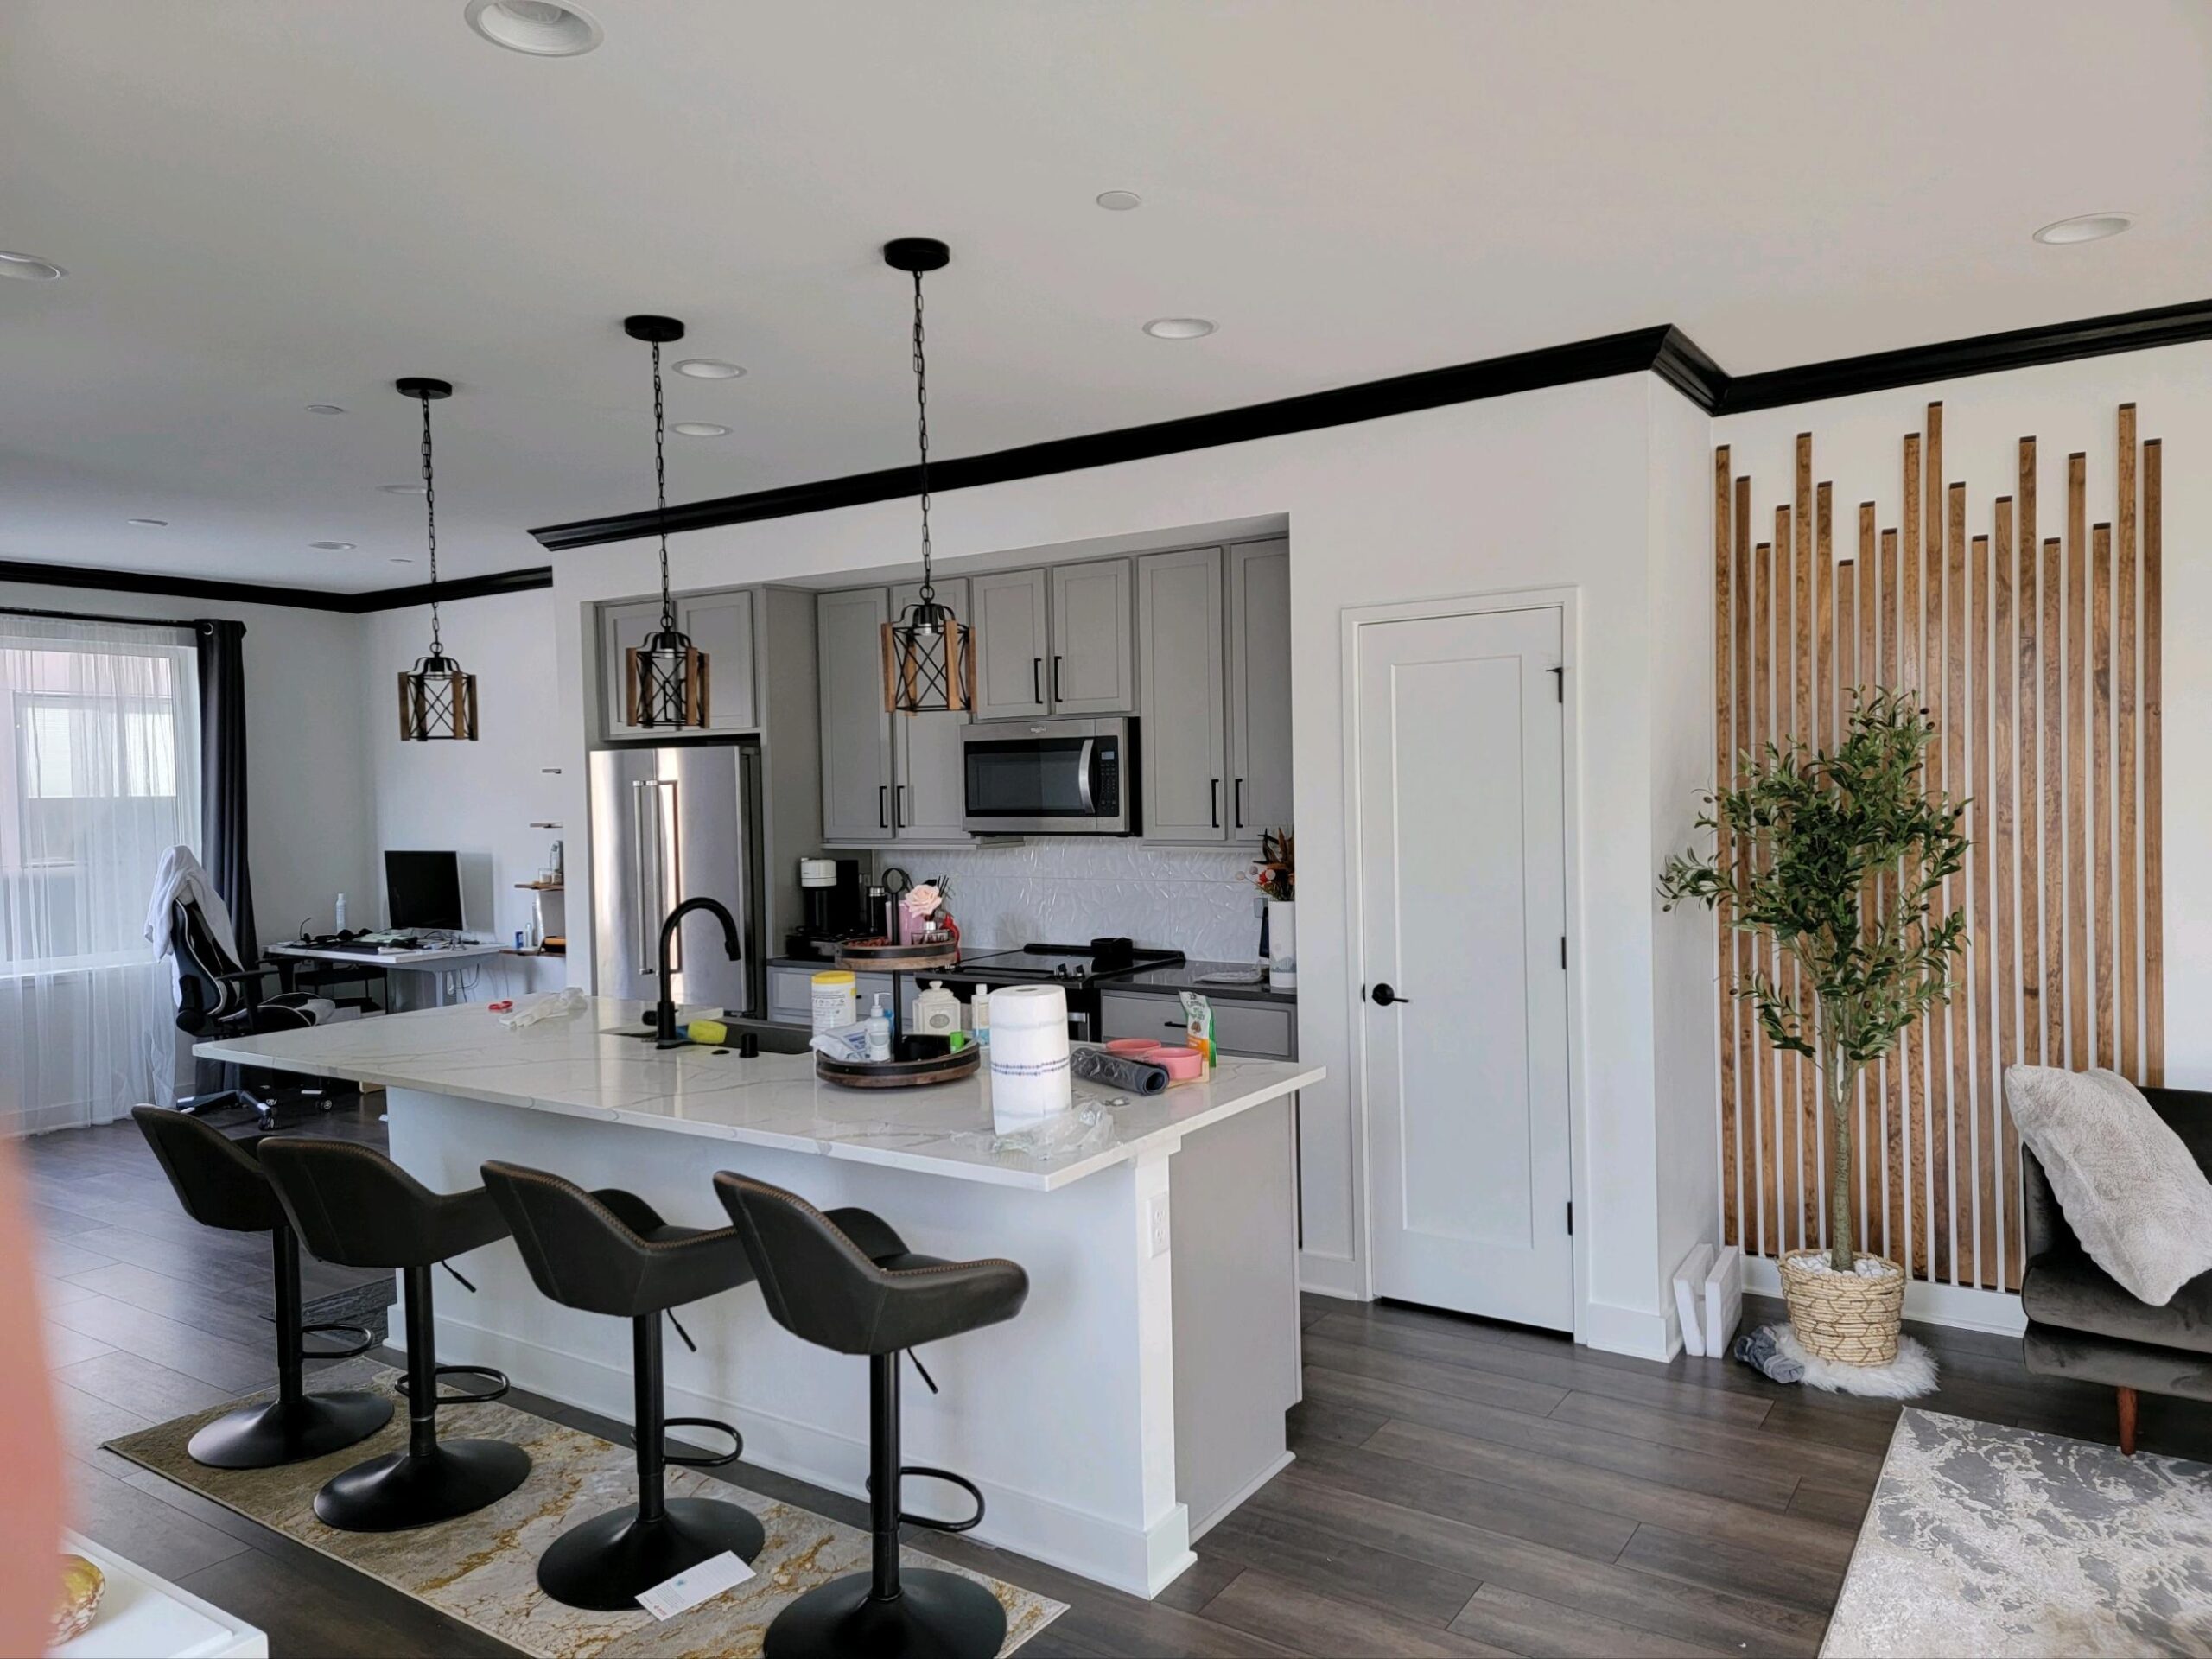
x: 1138, y: 1398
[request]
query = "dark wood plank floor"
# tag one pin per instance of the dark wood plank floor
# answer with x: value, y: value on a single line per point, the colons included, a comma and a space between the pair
x: 1459, y: 1487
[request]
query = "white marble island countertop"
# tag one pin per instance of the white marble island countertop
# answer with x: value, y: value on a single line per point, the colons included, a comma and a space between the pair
x: 583, y: 1066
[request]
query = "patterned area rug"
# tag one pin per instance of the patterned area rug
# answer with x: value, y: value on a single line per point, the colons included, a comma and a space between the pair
x: 482, y: 1569
x: 1983, y: 1539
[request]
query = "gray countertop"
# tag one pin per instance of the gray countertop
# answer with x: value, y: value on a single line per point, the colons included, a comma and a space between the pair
x: 1159, y: 981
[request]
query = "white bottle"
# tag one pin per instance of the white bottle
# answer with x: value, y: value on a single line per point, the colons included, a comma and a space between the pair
x: 979, y: 1011
x: 341, y: 914
x: 878, y: 1031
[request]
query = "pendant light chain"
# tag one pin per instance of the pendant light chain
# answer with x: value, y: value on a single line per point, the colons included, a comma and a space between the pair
x: 922, y: 422
x: 430, y: 517
x: 660, y: 494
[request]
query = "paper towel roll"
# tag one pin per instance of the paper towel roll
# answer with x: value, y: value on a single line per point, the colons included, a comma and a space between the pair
x: 1029, y: 1055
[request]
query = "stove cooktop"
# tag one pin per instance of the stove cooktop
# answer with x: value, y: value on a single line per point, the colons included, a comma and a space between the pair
x: 1065, y: 964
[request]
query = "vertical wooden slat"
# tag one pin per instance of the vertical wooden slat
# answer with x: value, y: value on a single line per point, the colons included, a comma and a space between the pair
x: 2004, y: 876
x: 2100, y: 790
x: 1723, y: 704
x: 2125, y: 899
x: 1930, y: 1126
x: 1909, y: 1059
x: 1896, y: 1240
x: 2154, y: 880
x: 1763, y: 729
x: 1844, y: 669
x: 2078, y: 766
x: 1789, y: 641
x: 1980, y: 1103
x: 1874, y: 1146
x: 1954, y: 1183
x: 1809, y: 1081
x: 2053, y: 651
x: 1747, y: 1070
x: 2030, y: 830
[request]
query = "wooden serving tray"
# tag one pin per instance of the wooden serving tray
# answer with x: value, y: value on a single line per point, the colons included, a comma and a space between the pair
x: 899, y: 1074
x: 885, y: 958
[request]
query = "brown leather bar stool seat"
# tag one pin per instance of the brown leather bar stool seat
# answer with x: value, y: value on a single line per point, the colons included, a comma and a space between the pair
x: 354, y: 1206
x: 846, y: 1281
x: 609, y: 1252
x: 220, y: 1183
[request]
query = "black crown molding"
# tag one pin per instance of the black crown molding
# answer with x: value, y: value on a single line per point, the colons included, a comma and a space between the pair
x: 260, y: 593
x: 1666, y: 352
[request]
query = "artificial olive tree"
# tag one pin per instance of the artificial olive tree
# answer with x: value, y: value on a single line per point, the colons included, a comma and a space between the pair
x: 1840, y: 859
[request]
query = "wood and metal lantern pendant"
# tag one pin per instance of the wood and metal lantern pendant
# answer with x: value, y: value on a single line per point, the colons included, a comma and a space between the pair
x: 664, y: 679
x: 928, y: 653
x: 437, y: 697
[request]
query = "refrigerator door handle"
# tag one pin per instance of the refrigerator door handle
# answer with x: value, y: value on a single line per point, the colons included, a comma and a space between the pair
x: 656, y: 828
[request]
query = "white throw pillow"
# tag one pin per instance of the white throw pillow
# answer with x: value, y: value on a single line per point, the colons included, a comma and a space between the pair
x: 2128, y: 1186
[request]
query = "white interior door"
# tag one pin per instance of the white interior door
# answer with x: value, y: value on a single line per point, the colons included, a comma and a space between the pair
x: 1462, y: 860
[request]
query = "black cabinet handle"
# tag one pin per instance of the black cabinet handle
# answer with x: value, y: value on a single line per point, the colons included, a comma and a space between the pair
x: 883, y: 806
x: 1056, y: 678
x: 1239, y: 814
x: 1215, y: 797
x: 1037, y: 681
x: 1171, y: 1024
x: 898, y: 819
x: 1384, y: 997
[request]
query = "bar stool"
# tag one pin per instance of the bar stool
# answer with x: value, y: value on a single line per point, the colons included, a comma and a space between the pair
x: 609, y: 1252
x: 846, y: 1281
x: 354, y: 1206
x: 221, y: 1185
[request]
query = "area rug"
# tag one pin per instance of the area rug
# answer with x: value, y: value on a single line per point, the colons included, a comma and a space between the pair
x: 482, y: 1568
x: 1984, y: 1540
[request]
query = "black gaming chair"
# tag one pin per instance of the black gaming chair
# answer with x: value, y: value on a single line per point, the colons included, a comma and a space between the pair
x: 218, y: 998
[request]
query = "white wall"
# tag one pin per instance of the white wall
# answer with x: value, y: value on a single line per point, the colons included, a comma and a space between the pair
x: 1541, y: 490
x: 2070, y: 406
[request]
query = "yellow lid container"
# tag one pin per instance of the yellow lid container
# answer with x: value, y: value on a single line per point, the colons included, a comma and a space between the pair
x: 832, y: 978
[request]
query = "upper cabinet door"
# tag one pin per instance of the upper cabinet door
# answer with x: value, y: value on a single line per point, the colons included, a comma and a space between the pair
x: 927, y: 795
x: 1090, y: 671
x: 721, y: 625
x: 1180, y: 681
x: 855, y: 731
x: 1259, y: 689
x: 1010, y: 645
x: 622, y: 628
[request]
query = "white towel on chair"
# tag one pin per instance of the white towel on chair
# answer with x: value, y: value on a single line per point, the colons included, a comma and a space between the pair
x: 181, y: 875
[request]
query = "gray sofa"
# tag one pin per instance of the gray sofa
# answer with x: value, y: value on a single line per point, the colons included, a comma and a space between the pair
x: 2081, y: 1325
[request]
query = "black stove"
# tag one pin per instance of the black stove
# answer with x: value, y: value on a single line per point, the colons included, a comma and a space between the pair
x: 1077, y: 967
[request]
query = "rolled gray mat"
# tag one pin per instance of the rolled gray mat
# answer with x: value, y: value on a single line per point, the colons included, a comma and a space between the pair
x: 1138, y: 1076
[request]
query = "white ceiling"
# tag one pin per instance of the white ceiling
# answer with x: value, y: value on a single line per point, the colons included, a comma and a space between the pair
x: 268, y: 203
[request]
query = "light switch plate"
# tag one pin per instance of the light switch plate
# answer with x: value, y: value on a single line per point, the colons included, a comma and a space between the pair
x: 1159, y: 1219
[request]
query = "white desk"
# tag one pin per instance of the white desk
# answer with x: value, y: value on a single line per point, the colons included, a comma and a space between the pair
x: 434, y: 962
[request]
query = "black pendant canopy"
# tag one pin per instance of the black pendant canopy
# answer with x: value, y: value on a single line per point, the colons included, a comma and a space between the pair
x: 665, y: 679
x: 437, y: 697
x: 928, y: 653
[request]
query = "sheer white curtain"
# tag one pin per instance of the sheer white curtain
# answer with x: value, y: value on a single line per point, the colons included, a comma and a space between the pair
x: 99, y: 776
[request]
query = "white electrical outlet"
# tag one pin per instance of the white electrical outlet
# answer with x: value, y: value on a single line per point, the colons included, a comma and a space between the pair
x: 1159, y: 1217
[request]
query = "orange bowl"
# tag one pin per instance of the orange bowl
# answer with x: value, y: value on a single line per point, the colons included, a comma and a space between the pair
x: 1132, y: 1048
x: 1182, y: 1064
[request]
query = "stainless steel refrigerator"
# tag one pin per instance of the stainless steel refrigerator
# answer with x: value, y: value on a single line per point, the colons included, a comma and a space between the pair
x: 668, y: 825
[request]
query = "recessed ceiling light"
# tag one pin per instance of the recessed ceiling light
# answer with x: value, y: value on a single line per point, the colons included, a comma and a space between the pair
x: 326, y: 408
x: 2084, y: 227
x: 403, y: 561
x: 699, y: 429
x: 1178, y: 327
x: 30, y: 268
x: 148, y: 523
x: 332, y: 547
x: 401, y: 489
x: 707, y: 368
x: 537, y: 27
x: 1119, y: 201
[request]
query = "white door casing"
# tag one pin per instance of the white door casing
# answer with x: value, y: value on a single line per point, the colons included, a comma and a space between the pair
x: 1459, y: 855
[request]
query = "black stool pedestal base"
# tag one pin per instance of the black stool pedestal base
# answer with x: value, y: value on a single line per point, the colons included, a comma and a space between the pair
x: 403, y: 1489
x: 604, y: 1562
x: 288, y: 1430
x: 936, y: 1616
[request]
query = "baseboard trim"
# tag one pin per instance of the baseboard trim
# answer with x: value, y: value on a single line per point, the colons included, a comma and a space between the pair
x: 1228, y: 1505
x: 1631, y: 1330
x: 1962, y: 1306
x: 1330, y: 1275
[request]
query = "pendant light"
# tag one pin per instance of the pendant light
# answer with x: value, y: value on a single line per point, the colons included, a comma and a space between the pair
x: 928, y: 658
x: 437, y: 699
x: 663, y: 680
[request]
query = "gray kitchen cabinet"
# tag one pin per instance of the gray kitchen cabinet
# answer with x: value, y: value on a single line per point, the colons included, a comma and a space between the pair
x: 790, y: 992
x: 1259, y: 689
x: 622, y: 628
x: 926, y: 795
x: 1012, y: 642
x: 1181, y: 685
x: 1265, y: 1031
x: 721, y: 625
x: 855, y: 731
x: 1090, y: 672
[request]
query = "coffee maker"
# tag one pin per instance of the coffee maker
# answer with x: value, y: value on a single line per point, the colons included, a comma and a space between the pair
x: 831, y: 907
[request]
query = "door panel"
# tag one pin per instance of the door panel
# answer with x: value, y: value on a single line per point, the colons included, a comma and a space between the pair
x: 1010, y: 645
x: 622, y: 628
x: 855, y: 731
x: 1461, y: 853
x: 1180, y: 681
x: 721, y: 625
x: 1091, y: 672
x: 926, y: 805
x: 1259, y: 689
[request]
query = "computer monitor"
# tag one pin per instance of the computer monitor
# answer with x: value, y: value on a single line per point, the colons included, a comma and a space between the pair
x: 424, y: 891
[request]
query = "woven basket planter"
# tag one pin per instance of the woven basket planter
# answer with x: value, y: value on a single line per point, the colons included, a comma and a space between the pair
x: 1846, y: 1318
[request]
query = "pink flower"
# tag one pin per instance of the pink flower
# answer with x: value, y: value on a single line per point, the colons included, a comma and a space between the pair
x: 922, y: 902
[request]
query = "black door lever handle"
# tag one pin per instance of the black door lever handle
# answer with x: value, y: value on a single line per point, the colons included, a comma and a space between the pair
x: 1384, y: 997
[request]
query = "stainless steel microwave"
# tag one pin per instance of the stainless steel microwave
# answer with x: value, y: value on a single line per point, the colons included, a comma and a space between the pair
x: 1049, y: 778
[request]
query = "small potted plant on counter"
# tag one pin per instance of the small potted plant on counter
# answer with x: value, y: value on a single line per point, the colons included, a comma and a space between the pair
x: 1838, y: 861
x: 1275, y: 872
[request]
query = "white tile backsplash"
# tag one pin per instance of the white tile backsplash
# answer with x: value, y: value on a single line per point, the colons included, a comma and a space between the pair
x: 1195, y: 899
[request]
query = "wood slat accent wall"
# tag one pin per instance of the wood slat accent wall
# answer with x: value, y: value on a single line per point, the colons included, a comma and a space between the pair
x: 2041, y: 663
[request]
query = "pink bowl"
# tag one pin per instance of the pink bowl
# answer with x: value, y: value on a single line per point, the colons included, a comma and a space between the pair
x: 1132, y: 1048
x: 1182, y: 1064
